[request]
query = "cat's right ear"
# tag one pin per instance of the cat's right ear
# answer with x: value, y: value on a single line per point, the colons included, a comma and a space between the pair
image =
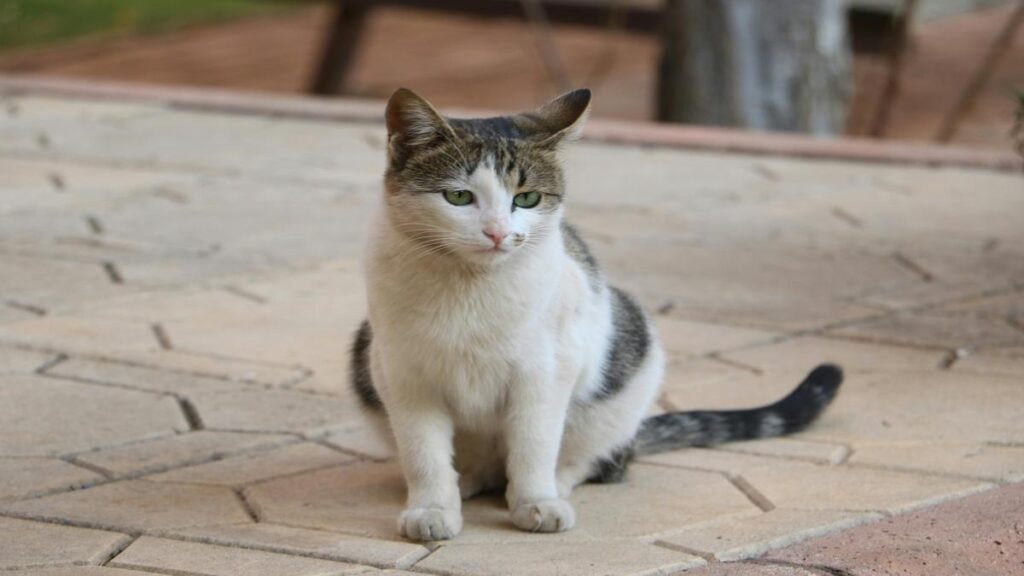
x: 412, y: 122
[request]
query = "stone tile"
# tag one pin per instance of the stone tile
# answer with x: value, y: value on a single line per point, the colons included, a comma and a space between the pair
x: 1005, y: 362
x: 948, y: 331
x: 711, y: 460
x: 176, y: 557
x: 551, y: 558
x: 78, y: 571
x: 54, y: 285
x: 180, y: 449
x: 330, y: 545
x: 811, y: 487
x: 821, y: 452
x: 708, y: 384
x: 140, y: 377
x: 361, y: 439
x: 798, y: 355
x: 359, y: 499
x: 258, y: 466
x: 139, y: 505
x: 686, y: 338
x: 28, y: 544
x: 24, y: 477
x: 20, y: 360
x: 1008, y: 307
x: 743, y: 537
x: 743, y: 287
x: 90, y: 336
x: 997, y: 463
x: 911, y: 402
x: 43, y: 416
x: 979, y: 535
x: 249, y: 371
x: 365, y: 499
x: 305, y: 317
x: 745, y: 569
x: 274, y: 410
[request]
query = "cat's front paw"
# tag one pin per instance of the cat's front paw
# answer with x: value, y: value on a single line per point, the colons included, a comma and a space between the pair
x: 427, y: 524
x: 555, y: 515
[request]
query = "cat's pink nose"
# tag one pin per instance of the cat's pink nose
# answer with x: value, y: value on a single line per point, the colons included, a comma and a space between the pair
x: 496, y: 236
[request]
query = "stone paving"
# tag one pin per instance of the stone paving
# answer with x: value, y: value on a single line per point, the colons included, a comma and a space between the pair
x: 177, y: 289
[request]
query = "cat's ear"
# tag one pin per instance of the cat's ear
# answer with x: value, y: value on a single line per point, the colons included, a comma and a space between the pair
x: 559, y: 120
x: 412, y: 121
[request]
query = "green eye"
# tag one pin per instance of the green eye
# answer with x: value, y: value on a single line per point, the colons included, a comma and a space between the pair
x: 526, y: 199
x: 458, y: 197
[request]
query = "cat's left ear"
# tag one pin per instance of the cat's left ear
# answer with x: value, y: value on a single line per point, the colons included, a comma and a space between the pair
x: 559, y: 120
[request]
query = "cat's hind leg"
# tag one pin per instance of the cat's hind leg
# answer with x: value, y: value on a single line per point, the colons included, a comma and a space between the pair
x: 599, y: 433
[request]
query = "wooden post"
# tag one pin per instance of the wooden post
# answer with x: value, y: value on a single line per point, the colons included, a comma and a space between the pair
x: 340, y: 47
x: 897, y: 54
x: 779, y: 65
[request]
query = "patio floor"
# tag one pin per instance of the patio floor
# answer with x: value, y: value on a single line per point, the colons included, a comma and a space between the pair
x: 178, y: 285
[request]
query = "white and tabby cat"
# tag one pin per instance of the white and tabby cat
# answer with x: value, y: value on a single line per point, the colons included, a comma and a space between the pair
x: 495, y: 354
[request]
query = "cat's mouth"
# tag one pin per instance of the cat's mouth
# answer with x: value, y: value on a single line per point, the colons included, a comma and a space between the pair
x: 499, y: 249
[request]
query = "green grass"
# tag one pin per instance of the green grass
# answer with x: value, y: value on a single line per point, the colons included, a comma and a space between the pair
x: 26, y: 23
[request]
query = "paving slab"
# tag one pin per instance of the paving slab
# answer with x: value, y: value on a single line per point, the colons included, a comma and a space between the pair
x: 712, y: 460
x: 985, y: 461
x: 43, y: 416
x: 246, y: 469
x: 821, y: 452
x: 189, y: 558
x: 24, y: 477
x: 688, y: 338
x: 279, y: 411
x: 140, y: 377
x: 1007, y: 361
x: 138, y: 505
x: 362, y: 439
x: 937, y: 330
x: 980, y: 535
x: 558, y: 558
x: 322, y: 544
x: 753, y: 569
x: 178, y: 450
x: 19, y: 360
x: 975, y: 408
x: 743, y: 537
x: 25, y: 544
x: 78, y: 571
x: 811, y: 487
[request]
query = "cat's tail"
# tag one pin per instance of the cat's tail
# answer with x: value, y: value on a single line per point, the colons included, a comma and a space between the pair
x: 705, y: 428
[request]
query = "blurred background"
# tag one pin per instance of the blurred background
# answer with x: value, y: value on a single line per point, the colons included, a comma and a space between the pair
x: 945, y: 71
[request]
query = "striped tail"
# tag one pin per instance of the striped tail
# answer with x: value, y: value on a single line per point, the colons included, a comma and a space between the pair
x: 705, y: 428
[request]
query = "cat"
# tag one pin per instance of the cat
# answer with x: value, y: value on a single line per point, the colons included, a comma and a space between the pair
x: 495, y: 354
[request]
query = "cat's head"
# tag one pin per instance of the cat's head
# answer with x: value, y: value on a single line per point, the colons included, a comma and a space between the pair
x: 479, y: 190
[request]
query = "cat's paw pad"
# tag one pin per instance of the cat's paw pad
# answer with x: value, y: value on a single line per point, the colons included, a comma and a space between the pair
x: 428, y: 524
x: 553, y: 515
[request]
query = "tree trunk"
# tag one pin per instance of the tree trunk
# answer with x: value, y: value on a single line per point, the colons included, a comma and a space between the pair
x: 762, y: 64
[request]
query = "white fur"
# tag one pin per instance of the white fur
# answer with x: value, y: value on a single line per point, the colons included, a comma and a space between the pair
x: 479, y: 351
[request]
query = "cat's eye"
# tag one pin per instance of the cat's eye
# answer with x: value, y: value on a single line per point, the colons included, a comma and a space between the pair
x: 458, y: 197
x: 526, y: 199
